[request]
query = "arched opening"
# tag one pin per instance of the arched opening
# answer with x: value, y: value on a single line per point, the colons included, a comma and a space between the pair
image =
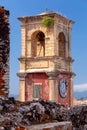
x: 62, y: 44
x: 38, y: 44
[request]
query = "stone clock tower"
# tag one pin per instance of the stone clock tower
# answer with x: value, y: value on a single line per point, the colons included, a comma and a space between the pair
x: 45, y: 62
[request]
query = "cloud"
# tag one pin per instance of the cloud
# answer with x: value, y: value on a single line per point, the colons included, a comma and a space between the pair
x: 80, y: 87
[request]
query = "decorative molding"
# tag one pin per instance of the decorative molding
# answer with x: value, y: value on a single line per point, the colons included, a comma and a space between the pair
x: 53, y: 75
x: 21, y: 76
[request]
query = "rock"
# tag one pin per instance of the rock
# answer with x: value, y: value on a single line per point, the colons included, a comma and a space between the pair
x: 78, y: 116
x: 14, y: 114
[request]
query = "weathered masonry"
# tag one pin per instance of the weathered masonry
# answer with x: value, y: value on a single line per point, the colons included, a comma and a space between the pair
x: 48, y: 126
x: 45, y: 61
x: 4, y: 51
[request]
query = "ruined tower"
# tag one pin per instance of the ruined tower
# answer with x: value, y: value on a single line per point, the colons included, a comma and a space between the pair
x: 45, y: 61
x: 4, y: 51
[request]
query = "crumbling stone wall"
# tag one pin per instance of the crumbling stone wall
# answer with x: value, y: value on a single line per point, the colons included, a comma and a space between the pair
x: 41, y: 115
x: 78, y: 116
x: 30, y: 115
x: 4, y: 51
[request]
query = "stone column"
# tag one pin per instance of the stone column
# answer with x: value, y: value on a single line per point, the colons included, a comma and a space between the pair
x: 69, y: 41
x: 53, y: 92
x: 72, y: 75
x: 71, y: 89
x: 22, y: 86
x: 23, y: 34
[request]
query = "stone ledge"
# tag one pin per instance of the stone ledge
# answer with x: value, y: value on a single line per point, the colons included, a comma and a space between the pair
x: 49, y: 126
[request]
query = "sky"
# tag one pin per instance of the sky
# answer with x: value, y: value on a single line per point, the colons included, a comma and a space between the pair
x: 75, y: 10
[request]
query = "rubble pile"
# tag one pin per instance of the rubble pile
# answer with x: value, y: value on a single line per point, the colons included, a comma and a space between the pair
x: 14, y: 113
x: 78, y: 116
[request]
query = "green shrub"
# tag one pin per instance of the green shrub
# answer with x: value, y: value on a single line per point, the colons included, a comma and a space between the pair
x: 47, y: 22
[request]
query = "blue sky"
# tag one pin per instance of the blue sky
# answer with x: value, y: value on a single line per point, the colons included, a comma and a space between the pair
x: 72, y: 9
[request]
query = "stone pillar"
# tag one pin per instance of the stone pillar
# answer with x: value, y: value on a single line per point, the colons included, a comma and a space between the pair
x: 23, y: 33
x: 71, y: 82
x: 53, y: 92
x: 22, y: 86
x: 69, y: 40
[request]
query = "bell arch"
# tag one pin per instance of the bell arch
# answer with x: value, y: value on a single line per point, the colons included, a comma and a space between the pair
x: 38, y: 44
x: 62, y: 44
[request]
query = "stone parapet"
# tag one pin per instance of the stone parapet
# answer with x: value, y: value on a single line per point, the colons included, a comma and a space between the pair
x: 48, y: 126
x: 52, y: 126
